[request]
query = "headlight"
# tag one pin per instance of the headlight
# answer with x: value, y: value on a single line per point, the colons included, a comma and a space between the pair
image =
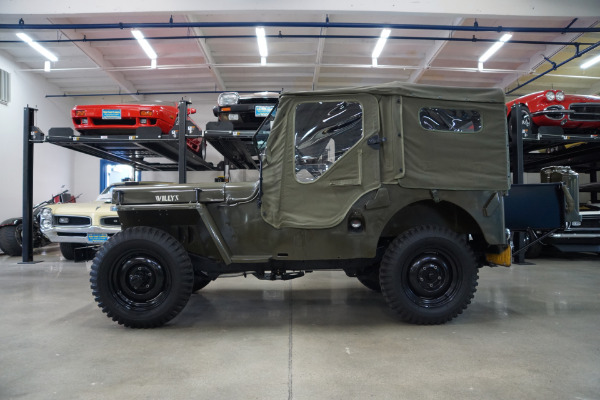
x: 228, y: 98
x: 550, y: 96
x: 560, y: 95
x: 46, y: 218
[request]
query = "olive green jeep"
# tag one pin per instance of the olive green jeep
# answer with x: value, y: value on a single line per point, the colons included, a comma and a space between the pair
x: 398, y: 185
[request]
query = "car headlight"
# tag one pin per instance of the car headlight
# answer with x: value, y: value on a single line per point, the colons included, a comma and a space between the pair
x: 228, y: 98
x: 46, y: 218
x: 550, y: 96
x: 560, y: 95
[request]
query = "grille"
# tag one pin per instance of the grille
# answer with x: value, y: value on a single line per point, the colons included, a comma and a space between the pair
x: 257, y: 101
x: 585, y: 112
x: 72, y: 221
x: 111, y: 221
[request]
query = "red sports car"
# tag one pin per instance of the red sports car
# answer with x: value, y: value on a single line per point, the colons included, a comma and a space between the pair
x: 124, y: 119
x: 573, y: 113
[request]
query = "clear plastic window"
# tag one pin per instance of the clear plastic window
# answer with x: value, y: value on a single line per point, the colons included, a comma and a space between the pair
x: 448, y: 120
x: 324, y: 132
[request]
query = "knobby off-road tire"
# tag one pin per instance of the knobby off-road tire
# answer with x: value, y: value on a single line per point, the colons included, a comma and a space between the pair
x: 68, y: 249
x: 9, y: 243
x: 142, y: 277
x: 428, y: 275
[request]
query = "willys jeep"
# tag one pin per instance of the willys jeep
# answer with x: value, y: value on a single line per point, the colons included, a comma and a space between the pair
x: 398, y: 185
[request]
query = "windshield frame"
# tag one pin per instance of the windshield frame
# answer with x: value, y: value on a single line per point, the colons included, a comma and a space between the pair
x: 258, y: 130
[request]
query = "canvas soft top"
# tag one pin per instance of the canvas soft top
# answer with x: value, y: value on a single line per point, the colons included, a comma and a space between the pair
x: 484, y: 95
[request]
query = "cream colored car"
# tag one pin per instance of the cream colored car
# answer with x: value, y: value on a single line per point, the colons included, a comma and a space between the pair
x: 75, y: 225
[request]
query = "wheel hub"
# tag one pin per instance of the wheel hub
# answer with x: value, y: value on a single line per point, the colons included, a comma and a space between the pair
x: 429, y: 276
x: 140, y: 279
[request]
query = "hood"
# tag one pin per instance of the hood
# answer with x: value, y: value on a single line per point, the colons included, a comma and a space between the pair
x: 188, y: 193
x: 75, y: 209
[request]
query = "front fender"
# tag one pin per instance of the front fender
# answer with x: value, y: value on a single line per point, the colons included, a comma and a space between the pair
x: 12, y: 222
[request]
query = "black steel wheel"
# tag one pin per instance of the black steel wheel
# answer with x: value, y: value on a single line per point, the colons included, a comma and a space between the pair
x: 428, y: 275
x: 10, y: 240
x: 142, y: 277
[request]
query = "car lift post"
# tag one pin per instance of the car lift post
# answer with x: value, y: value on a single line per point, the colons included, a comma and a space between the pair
x: 517, y: 170
x: 182, y: 140
x: 27, y: 232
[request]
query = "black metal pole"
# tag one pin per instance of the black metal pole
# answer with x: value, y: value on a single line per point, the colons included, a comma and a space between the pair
x: 518, y: 172
x: 594, y: 179
x: 182, y: 164
x: 27, y: 238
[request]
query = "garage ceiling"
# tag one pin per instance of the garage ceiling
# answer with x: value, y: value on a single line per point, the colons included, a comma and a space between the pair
x: 307, y: 49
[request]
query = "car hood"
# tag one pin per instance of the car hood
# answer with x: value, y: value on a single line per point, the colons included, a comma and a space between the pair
x: 82, y: 208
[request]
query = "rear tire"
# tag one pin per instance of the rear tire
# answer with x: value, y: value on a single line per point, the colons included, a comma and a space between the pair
x: 68, y: 250
x: 142, y: 277
x: 9, y: 240
x: 428, y: 275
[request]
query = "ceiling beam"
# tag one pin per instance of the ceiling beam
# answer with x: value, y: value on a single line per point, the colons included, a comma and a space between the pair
x: 207, y: 54
x: 538, y: 59
x: 506, y: 8
x: 432, y: 53
x: 97, y: 58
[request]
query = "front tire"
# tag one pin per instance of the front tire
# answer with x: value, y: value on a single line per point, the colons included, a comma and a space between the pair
x: 9, y: 240
x: 428, y: 275
x: 142, y: 277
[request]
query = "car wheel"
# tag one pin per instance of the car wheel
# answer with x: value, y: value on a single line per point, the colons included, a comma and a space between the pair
x: 10, y: 240
x: 142, y: 277
x: 370, y: 278
x: 68, y: 250
x: 428, y: 275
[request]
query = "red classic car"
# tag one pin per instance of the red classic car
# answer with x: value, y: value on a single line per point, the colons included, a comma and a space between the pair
x: 573, y: 113
x: 124, y: 119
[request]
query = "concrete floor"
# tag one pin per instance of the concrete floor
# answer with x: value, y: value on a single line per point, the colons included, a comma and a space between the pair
x: 532, y: 332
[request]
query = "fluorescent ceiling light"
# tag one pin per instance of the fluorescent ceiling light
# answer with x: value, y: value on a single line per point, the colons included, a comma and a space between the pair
x: 590, y: 62
x: 145, y: 45
x: 262, y: 44
x: 380, y: 43
x: 47, y: 66
x: 495, y: 47
x: 37, y: 46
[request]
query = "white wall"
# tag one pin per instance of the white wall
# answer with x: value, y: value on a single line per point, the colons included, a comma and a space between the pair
x: 52, y: 164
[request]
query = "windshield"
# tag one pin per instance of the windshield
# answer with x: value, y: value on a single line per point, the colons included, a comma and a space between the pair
x: 106, y: 195
x: 262, y: 133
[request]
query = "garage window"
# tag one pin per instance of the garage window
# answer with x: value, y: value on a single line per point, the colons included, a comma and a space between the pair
x: 449, y: 120
x: 324, y: 132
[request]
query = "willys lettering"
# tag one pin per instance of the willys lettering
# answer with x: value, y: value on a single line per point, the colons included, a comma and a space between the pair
x: 167, y: 197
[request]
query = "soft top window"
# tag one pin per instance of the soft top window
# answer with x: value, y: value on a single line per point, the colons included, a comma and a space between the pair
x: 449, y: 120
x: 324, y: 132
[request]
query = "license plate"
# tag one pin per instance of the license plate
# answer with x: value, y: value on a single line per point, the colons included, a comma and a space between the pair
x: 97, y: 237
x: 111, y: 114
x: 262, y: 111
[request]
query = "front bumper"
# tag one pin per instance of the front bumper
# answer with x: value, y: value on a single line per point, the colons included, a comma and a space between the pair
x: 86, y: 234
